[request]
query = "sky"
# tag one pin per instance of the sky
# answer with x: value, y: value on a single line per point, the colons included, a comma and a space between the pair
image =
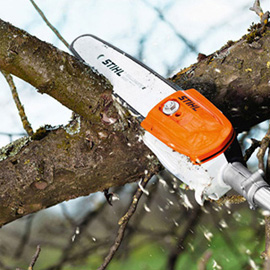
x: 158, y: 25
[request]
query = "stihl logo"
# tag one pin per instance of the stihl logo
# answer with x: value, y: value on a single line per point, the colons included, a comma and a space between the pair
x: 189, y: 102
x: 111, y: 65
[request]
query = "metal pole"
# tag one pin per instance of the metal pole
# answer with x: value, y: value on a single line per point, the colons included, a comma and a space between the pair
x: 250, y: 185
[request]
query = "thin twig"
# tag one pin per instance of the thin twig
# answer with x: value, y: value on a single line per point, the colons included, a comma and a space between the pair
x: 82, y: 226
x: 265, y: 143
x: 25, y: 237
x: 34, y: 259
x: 193, y: 219
x: 11, y: 135
x: 49, y: 24
x: 67, y: 216
x: 25, y: 122
x: 134, y: 228
x: 161, y: 16
x: 123, y: 222
x: 258, y: 10
x: 254, y: 145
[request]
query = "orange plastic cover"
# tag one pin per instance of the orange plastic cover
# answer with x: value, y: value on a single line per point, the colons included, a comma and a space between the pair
x: 197, y: 129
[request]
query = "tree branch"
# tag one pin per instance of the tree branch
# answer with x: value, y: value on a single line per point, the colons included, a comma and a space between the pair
x: 192, y: 221
x: 52, y: 72
x: 25, y: 122
x: 265, y: 143
x: 91, y: 154
x: 235, y: 78
x: 34, y: 259
x: 123, y: 222
x: 59, y: 164
x: 25, y: 237
x: 49, y: 24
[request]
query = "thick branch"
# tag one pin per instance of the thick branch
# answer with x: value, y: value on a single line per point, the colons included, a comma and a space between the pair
x: 62, y: 166
x: 87, y: 156
x: 52, y: 71
x: 235, y: 79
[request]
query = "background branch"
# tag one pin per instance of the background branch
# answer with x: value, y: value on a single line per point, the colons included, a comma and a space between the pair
x: 35, y: 258
x: 123, y: 222
x: 41, y: 13
x: 262, y: 150
x: 25, y: 122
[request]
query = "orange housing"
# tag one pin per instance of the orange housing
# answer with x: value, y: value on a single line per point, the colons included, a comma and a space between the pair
x: 197, y: 129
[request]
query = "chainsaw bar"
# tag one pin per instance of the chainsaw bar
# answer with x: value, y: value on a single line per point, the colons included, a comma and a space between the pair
x: 140, y: 90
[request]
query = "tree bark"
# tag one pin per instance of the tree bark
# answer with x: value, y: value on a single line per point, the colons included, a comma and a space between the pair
x: 235, y: 78
x: 101, y: 149
x: 94, y: 152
